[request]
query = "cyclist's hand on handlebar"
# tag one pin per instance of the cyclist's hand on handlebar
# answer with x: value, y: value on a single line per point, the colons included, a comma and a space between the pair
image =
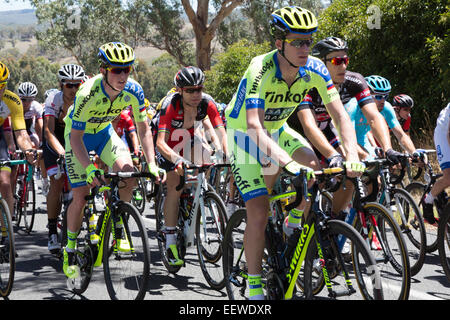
x: 160, y: 174
x: 393, y: 156
x: 294, y: 168
x: 91, y: 175
x: 180, y: 164
x: 354, y: 168
x: 31, y: 156
x: 421, y: 156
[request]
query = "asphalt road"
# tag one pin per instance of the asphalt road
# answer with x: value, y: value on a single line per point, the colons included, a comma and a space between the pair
x: 39, y: 274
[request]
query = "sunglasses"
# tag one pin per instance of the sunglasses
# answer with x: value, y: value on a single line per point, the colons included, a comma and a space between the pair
x: 298, y: 43
x: 337, y: 61
x: 26, y: 99
x: 380, y: 96
x: 72, y: 85
x: 193, y: 90
x: 125, y: 70
x: 3, y: 85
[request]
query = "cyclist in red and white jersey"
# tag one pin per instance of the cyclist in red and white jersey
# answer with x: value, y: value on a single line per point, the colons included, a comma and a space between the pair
x: 402, y: 105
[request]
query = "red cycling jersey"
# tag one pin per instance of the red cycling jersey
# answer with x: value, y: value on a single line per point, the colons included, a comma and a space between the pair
x: 125, y: 123
x: 171, y: 116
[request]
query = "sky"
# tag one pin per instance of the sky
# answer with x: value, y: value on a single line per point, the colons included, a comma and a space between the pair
x: 14, y: 5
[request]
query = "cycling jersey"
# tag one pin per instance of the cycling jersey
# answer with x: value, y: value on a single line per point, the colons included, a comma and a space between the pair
x: 34, y: 113
x: 125, y: 123
x: 10, y: 105
x: 406, y: 124
x: 263, y: 87
x: 53, y: 107
x: 93, y: 112
x: 171, y: 116
x: 354, y: 86
x: 441, y: 138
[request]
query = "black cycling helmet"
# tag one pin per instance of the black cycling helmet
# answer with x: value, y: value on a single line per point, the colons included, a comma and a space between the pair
x: 189, y: 77
x: 328, y: 45
x: 402, y: 101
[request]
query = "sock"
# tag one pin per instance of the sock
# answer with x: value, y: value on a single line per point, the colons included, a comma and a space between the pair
x: 71, y: 241
x: 295, y: 216
x: 255, y: 286
x: 52, y: 226
x: 429, y: 198
x: 171, y: 236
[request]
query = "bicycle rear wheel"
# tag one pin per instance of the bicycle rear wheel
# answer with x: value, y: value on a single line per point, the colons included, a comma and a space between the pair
x: 138, y: 195
x: 7, y: 251
x: 209, y: 233
x: 389, y: 249
x: 361, y: 269
x: 26, y: 204
x: 444, y: 241
x: 127, y: 271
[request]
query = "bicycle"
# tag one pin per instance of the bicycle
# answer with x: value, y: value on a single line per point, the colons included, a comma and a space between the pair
x: 443, y: 241
x: 403, y: 208
x: 316, y: 246
x: 126, y: 272
x: 418, y: 191
x: 25, y: 194
x: 7, y: 244
x: 201, y: 221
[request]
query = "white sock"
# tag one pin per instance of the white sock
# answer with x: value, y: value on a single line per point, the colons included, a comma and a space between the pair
x: 171, y: 238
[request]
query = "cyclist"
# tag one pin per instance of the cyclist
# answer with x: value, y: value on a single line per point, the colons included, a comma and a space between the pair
x: 269, y: 92
x: 442, y: 143
x: 380, y: 89
x: 123, y: 125
x: 32, y: 110
x: 402, y: 105
x: 88, y: 128
x: 55, y: 109
x: 10, y: 105
x: 182, y: 114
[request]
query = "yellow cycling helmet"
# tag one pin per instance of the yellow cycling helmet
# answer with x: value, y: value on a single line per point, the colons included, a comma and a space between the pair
x: 116, y: 54
x: 4, y: 72
x: 292, y: 19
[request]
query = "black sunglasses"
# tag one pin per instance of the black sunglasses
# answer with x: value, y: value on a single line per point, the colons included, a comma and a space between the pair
x: 72, y: 85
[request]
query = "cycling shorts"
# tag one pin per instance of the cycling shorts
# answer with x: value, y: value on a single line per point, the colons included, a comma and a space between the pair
x: 106, y: 143
x: 50, y: 157
x: 247, y: 160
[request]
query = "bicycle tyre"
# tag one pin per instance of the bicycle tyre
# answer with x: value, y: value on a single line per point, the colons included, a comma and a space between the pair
x: 159, y: 216
x: 399, y: 266
x: 444, y: 241
x: 7, y: 251
x: 365, y: 274
x: 235, y: 272
x: 29, y: 208
x: 139, y: 189
x: 414, y: 230
x: 417, y: 191
x: 134, y: 284
x: 210, y: 251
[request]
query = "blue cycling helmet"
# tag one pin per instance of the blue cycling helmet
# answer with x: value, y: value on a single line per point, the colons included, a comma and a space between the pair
x: 378, y: 84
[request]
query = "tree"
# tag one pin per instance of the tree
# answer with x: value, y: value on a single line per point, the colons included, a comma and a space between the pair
x: 409, y: 47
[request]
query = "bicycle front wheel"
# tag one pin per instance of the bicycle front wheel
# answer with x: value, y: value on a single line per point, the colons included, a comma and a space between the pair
x: 444, y: 241
x: 209, y: 233
x: 384, y: 238
x: 342, y: 272
x: 408, y: 216
x: 126, y: 254
x: 7, y: 251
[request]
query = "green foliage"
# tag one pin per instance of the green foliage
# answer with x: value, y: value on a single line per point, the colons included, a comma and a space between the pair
x: 28, y: 68
x: 411, y: 47
x: 223, y: 78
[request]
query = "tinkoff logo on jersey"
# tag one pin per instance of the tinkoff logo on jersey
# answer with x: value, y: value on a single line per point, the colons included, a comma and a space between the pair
x: 274, y: 97
x: 267, y: 66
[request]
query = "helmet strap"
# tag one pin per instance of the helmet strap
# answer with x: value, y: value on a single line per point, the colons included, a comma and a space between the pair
x: 282, y: 54
x: 107, y: 82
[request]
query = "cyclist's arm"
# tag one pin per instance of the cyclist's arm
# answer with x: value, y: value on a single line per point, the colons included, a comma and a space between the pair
x: 134, y: 139
x: 38, y: 127
x: 314, y: 134
x: 212, y: 134
x: 49, y: 129
x: 404, y: 140
x: 257, y: 132
x: 371, y: 139
x: 378, y: 125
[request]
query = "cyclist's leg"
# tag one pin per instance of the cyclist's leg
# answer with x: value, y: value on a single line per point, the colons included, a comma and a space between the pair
x: 5, y: 188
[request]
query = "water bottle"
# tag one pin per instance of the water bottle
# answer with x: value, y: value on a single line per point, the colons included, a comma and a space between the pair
x: 93, y: 219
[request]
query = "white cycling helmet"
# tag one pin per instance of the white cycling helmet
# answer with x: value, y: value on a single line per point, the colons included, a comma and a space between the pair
x: 27, y: 89
x: 71, y: 72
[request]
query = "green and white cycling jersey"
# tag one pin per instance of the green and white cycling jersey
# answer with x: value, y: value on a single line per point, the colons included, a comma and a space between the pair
x: 93, y: 111
x: 263, y: 87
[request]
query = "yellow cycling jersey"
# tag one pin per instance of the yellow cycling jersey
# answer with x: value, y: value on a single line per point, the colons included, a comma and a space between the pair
x: 10, y: 105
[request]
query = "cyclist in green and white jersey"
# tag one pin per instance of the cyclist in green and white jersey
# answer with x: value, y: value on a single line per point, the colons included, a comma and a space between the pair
x: 88, y: 128
x: 259, y: 140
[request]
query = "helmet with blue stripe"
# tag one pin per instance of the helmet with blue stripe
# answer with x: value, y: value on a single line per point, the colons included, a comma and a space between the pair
x: 378, y: 84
